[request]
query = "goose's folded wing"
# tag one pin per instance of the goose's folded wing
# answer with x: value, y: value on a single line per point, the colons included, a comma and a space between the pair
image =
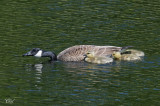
x: 76, y: 53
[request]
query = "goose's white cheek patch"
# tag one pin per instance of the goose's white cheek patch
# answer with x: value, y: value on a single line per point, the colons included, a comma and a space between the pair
x: 39, y: 54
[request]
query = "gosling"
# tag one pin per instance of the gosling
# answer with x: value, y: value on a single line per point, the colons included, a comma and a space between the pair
x: 135, y: 52
x: 129, y: 57
x: 92, y: 58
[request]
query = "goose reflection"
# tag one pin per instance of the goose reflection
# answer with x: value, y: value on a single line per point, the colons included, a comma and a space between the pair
x: 38, y: 67
x: 38, y: 75
x: 35, y: 70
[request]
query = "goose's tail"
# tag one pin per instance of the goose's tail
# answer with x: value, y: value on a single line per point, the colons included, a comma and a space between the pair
x: 125, y: 48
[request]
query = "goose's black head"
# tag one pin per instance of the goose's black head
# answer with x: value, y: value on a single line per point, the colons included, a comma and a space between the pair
x: 37, y: 52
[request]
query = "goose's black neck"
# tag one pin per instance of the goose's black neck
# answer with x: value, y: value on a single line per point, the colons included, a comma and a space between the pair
x: 50, y: 54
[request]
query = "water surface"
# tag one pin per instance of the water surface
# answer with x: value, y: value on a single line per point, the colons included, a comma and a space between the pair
x: 59, y: 24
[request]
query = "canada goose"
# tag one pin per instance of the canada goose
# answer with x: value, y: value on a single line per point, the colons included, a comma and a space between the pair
x: 74, y: 53
x: 128, y: 54
x: 92, y: 58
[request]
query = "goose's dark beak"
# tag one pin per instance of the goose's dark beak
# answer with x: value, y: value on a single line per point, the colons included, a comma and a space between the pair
x: 27, y: 54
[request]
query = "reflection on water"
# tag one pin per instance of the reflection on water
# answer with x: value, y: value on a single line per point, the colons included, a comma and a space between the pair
x: 117, y: 82
x: 92, y: 82
x: 38, y: 68
x: 38, y: 75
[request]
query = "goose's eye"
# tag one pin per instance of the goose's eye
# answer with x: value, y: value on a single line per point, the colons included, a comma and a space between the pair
x: 33, y: 51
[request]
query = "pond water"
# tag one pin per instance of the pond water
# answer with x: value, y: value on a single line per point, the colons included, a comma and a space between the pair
x: 59, y: 24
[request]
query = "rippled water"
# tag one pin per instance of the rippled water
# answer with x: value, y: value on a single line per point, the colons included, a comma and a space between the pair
x: 56, y: 25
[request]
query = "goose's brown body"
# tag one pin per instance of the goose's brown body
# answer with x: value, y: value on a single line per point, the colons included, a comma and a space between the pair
x: 76, y: 53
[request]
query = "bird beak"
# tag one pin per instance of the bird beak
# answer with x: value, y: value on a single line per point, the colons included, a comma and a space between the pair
x: 27, y: 54
x: 85, y: 55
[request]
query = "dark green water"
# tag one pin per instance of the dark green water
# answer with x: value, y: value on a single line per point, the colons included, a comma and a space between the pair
x: 58, y: 24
